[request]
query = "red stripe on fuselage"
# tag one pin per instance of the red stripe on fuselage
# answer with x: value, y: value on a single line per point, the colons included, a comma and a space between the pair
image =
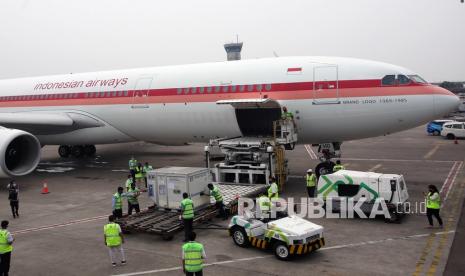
x: 280, y: 91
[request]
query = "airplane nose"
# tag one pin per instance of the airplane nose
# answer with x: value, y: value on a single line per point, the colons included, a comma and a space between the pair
x: 445, y: 102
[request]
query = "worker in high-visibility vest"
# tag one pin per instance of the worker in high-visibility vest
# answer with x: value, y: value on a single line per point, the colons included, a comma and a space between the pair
x: 286, y: 115
x: 264, y: 205
x: 129, y: 182
x: 6, y: 241
x: 132, y: 167
x: 433, y: 205
x: 193, y: 256
x: 139, y: 175
x: 187, y: 215
x: 145, y: 170
x: 113, y: 238
x: 273, y: 189
x: 133, y: 201
x: 338, y: 166
x: 310, y: 179
x: 117, y: 203
x: 216, y: 193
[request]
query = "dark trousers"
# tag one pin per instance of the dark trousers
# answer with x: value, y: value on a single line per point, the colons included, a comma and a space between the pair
x: 133, y: 207
x: 133, y: 174
x: 118, y: 213
x: 14, y: 207
x: 187, y: 228
x: 145, y: 180
x: 433, y: 212
x: 198, y: 273
x: 5, y: 263
x: 220, y: 206
x: 311, y: 191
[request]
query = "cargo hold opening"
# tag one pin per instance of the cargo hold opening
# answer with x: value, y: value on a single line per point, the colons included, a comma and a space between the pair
x: 255, y: 117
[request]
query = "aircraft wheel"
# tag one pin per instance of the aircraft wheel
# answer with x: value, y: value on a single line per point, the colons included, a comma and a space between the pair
x: 90, y: 150
x: 64, y: 151
x: 77, y: 151
x: 324, y: 168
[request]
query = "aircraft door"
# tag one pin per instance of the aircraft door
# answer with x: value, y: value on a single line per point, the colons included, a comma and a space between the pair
x: 325, y: 84
x: 141, y: 93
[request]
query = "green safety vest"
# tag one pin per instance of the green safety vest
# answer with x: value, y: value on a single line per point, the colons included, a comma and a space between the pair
x: 112, y: 237
x: 187, y: 207
x: 118, y: 201
x: 287, y: 115
x: 139, y: 173
x: 4, y: 246
x: 311, y: 180
x: 132, y: 198
x: 193, y: 261
x: 433, y: 204
x: 132, y: 164
x: 216, y: 194
x: 338, y: 168
x: 270, y: 190
x: 146, y: 169
x: 129, y: 182
x: 264, y: 203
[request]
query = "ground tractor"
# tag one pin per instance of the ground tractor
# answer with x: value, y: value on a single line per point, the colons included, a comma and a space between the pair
x: 339, y: 187
x: 286, y: 237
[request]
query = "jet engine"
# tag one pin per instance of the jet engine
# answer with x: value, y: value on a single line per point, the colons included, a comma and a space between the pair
x: 19, y: 152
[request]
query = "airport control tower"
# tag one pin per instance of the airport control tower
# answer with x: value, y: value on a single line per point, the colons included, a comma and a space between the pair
x: 233, y: 50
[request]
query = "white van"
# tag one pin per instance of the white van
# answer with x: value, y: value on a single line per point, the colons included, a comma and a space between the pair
x: 453, y: 130
x: 371, y: 186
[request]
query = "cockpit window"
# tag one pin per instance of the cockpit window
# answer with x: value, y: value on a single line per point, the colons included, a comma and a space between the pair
x: 417, y: 79
x: 403, y: 79
x: 389, y: 80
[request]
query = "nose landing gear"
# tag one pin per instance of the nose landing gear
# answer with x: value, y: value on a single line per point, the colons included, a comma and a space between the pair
x: 326, y: 152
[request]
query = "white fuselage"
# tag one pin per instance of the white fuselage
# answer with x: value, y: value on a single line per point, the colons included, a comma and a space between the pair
x: 332, y: 99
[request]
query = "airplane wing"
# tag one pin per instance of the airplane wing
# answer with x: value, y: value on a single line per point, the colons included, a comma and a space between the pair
x: 42, y: 123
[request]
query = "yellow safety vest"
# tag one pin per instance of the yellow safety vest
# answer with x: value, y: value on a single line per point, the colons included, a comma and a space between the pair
x: 139, y: 173
x: 112, y: 237
x: 311, y: 180
x: 193, y: 261
x: 433, y: 204
x: 270, y: 190
x: 187, y: 207
x: 4, y: 246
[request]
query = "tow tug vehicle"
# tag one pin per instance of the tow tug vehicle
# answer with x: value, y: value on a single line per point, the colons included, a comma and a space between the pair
x: 286, y: 237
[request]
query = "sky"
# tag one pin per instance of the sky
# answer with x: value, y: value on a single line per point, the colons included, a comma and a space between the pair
x: 59, y: 37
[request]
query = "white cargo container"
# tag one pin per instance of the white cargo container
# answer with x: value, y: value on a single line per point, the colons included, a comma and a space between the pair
x: 166, y: 186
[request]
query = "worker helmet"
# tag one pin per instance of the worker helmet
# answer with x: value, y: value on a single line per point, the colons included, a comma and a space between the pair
x: 309, y: 170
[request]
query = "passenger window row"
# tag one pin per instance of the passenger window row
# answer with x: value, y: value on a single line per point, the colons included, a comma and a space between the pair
x: 66, y: 96
x: 225, y: 89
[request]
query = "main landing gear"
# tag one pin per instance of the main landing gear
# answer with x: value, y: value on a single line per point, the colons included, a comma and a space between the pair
x: 76, y: 151
x: 326, y: 152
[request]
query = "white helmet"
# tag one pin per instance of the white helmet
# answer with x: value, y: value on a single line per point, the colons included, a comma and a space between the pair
x: 309, y: 170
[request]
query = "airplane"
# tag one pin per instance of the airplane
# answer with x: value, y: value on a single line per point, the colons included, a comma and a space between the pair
x: 333, y: 99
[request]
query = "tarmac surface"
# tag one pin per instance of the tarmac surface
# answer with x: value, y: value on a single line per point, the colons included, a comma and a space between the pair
x: 61, y: 233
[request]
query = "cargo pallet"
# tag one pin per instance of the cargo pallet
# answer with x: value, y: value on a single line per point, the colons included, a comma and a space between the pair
x: 166, y: 222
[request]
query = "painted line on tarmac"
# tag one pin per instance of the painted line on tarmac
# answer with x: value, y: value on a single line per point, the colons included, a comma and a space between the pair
x: 310, y: 152
x: 269, y: 256
x: 52, y: 226
x: 431, y: 152
x: 400, y: 160
x: 377, y: 166
x: 450, y: 180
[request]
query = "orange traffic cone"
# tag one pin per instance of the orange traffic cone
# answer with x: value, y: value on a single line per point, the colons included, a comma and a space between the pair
x: 45, y: 189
